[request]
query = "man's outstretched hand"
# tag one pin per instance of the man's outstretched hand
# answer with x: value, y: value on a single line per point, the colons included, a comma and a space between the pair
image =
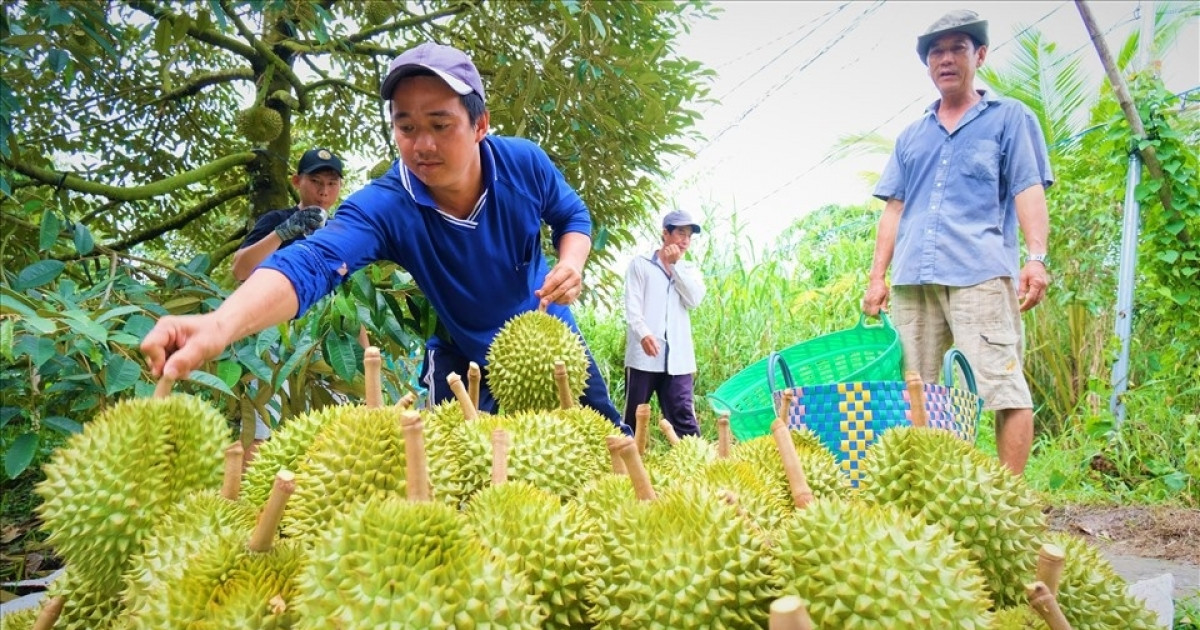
x: 563, y: 285
x: 178, y: 345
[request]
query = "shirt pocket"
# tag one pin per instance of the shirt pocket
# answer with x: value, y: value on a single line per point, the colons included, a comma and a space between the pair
x: 982, y: 160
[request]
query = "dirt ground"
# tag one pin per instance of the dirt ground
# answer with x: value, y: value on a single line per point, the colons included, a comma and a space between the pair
x: 1171, y: 534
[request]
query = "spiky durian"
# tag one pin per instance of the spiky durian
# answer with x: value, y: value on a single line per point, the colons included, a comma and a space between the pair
x: 378, y: 11
x: 544, y: 451
x: 1017, y: 618
x: 520, y: 370
x: 540, y: 538
x: 19, y: 619
x: 258, y: 123
x: 683, y: 560
x: 106, y: 489
x: 402, y: 564
x: 947, y: 482
x: 1091, y: 594
x: 759, y: 501
x: 820, y: 468
x: 599, y: 497
x: 283, y: 451
x: 858, y: 565
x: 90, y: 605
x: 590, y: 424
x: 681, y: 462
x: 379, y: 170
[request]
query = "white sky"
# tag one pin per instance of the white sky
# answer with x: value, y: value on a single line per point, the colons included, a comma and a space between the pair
x: 789, y: 87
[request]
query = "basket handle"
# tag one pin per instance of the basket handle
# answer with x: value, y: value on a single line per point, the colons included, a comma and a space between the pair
x: 953, y: 356
x: 776, y: 359
x: 885, y: 321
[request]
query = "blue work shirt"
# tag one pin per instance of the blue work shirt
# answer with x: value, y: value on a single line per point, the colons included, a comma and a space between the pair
x: 478, y: 272
x: 959, y: 224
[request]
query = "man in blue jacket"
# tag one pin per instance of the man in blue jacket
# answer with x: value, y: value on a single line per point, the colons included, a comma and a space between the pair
x: 461, y: 211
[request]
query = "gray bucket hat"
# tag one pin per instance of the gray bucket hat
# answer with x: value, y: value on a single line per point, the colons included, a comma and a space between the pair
x: 961, y: 21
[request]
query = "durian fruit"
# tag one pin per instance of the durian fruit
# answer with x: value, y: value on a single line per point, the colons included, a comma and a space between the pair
x: 393, y: 563
x: 258, y: 123
x: 683, y: 559
x: 821, y: 470
x: 379, y: 11
x: 379, y: 169
x: 283, y: 451
x: 108, y: 487
x: 88, y: 603
x: 681, y: 462
x: 19, y: 620
x: 947, y: 482
x: 858, y: 565
x: 520, y: 370
x: 1017, y: 618
x: 758, y: 500
x: 1091, y: 594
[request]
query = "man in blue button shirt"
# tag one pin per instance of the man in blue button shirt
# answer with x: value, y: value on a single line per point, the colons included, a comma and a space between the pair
x: 461, y: 211
x: 960, y: 182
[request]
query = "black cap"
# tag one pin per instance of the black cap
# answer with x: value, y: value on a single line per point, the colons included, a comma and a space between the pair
x: 318, y: 160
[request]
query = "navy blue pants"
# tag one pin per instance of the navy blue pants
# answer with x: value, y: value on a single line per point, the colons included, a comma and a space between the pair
x: 441, y: 361
x: 674, y: 397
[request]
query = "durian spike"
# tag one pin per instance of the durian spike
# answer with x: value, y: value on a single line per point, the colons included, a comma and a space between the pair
x: 1046, y: 606
x: 416, y: 462
x: 406, y: 401
x: 563, y: 385
x: 730, y: 497
x: 1050, y: 566
x: 263, y: 536
x: 374, y: 382
x: 641, y: 430
x: 499, y: 456
x: 614, y: 451
x: 802, y: 495
x: 916, y: 398
x: 162, y: 389
x: 231, y: 488
x: 637, y: 472
x: 473, y: 377
x: 464, y: 399
x: 788, y: 613
x: 724, y: 436
x: 664, y: 425
x: 49, y: 613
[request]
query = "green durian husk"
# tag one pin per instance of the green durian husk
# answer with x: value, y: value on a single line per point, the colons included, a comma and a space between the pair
x: 285, y: 449
x: 89, y: 605
x: 682, y: 462
x: 760, y: 503
x: 1091, y: 594
x: 520, y: 362
x: 821, y: 469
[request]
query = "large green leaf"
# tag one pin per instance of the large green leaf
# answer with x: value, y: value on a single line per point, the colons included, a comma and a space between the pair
x: 208, y: 380
x: 39, y: 273
x: 120, y: 374
x: 62, y: 424
x: 48, y: 233
x: 20, y: 453
x: 339, y: 354
x: 301, y: 355
x: 80, y: 322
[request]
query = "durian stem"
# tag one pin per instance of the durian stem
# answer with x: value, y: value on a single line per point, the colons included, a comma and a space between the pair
x: 614, y: 451
x: 499, y: 456
x: 916, y: 398
x: 416, y: 463
x: 1050, y: 566
x: 563, y: 385
x: 263, y: 536
x: 50, y: 613
x: 665, y: 426
x: 641, y: 430
x: 473, y: 377
x: 788, y: 613
x: 1046, y: 606
x: 724, y: 436
x: 464, y: 399
x: 801, y: 494
x: 374, y: 382
x: 406, y: 401
x: 231, y: 487
x: 637, y: 472
x: 162, y: 389
x: 730, y: 497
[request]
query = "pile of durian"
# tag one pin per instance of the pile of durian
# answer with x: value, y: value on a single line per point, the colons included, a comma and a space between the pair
x: 379, y: 516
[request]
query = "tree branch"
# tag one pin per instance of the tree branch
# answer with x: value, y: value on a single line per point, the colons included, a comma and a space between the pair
x: 266, y: 54
x: 202, y: 81
x: 180, y: 219
x: 204, y: 35
x: 366, y: 34
x: 122, y: 193
x: 224, y: 251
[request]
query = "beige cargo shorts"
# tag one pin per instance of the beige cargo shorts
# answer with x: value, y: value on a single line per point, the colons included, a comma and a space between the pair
x: 982, y: 321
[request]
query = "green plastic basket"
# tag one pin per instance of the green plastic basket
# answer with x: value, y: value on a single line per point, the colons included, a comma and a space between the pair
x: 861, y: 353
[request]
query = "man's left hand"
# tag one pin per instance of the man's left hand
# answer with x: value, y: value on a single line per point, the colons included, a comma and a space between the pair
x: 1034, y: 282
x: 563, y: 285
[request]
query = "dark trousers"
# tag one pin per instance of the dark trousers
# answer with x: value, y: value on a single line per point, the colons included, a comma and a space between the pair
x: 674, y: 396
x: 440, y: 362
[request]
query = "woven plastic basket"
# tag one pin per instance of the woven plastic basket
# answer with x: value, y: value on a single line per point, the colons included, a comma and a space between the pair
x: 861, y: 353
x: 849, y: 417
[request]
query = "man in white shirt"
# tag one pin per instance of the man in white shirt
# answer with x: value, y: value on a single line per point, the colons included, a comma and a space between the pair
x: 660, y: 289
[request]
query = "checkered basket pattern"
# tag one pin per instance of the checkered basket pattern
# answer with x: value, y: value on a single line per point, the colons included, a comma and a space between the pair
x: 849, y: 417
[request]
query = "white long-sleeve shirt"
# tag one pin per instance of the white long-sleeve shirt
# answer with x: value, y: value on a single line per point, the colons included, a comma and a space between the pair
x: 657, y: 304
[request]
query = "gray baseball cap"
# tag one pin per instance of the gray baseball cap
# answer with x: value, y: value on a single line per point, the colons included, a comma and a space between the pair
x: 679, y: 218
x: 451, y: 64
x: 960, y: 21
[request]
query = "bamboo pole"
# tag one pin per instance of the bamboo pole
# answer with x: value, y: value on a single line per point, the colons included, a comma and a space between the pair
x: 473, y: 378
x: 231, y: 486
x: 499, y: 456
x: 263, y: 536
x: 724, y: 436
x: 1050, y: 566
x: 664, y: 425
x: 614, y: 452
x: 464, y: 399
x: 1046, y: 606
x: 563, y: 384
x: 50, y: 612
x: 637, y: 472
x: 374, y: 381
x: 641, y: 430
x: 416, y: 463
x: 916, y: 398
x: 788, y: 613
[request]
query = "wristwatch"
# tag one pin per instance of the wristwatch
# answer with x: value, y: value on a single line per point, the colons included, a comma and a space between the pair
x: 1041, y: 258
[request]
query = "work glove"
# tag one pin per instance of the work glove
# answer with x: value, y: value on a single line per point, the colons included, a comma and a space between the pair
x: 304, y: 221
